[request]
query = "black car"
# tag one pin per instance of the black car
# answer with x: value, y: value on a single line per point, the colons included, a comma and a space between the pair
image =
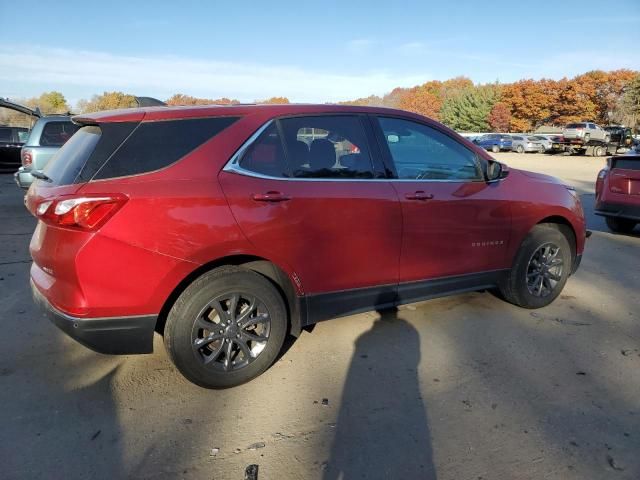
x: 11, y: 141
x: 620, y: 135
x: 12, y: 138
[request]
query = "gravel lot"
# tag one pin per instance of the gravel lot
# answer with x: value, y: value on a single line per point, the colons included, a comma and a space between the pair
x: 466, y: 387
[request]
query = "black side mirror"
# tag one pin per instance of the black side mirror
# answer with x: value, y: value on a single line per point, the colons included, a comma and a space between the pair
x: 495, y: 171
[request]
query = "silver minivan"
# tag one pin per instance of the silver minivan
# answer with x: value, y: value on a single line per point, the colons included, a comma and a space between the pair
x: 47, y: 136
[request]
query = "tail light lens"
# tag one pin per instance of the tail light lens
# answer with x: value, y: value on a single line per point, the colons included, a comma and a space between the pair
x: 26, y: 156
x: 80, y: 213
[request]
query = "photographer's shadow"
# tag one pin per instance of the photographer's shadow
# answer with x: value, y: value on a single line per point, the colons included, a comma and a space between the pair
x: 382, y: 429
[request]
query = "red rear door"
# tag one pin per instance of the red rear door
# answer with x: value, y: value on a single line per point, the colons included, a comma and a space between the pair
x: 318, y: 210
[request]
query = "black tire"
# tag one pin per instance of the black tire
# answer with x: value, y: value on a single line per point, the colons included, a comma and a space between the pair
x: 520, y: 149
x: 598, y: 151
x: 495, y: 149
x: 620, y: 225
x: 515, y: 285
x: 207, y: 364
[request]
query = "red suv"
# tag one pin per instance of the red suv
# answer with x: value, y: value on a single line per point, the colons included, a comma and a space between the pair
x: 227, y: 228
x: 618, y: 193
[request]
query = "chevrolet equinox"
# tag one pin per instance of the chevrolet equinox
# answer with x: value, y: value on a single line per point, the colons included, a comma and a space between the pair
x: 225, y: 229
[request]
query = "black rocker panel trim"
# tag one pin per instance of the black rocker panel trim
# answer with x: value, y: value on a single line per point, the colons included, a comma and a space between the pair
x: 325, y: 306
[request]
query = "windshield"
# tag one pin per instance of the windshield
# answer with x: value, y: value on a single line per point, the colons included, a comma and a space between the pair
x: 576, y: 125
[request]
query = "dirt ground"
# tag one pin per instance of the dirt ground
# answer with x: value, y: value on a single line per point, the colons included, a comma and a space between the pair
x: 467, y: 387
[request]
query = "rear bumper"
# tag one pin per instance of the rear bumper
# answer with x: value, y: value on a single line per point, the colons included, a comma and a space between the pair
x: 115, y: 335
x: 620, y: 210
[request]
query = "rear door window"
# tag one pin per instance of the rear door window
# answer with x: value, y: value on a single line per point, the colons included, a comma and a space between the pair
x: 320, y: 147
x: 327, y: 147
x: 265, y: 156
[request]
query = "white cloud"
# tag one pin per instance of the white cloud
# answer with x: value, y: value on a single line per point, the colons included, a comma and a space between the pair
x: 36, y: 69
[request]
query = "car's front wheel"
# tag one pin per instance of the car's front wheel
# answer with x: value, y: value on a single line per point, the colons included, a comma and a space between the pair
x: 620, y: 225
x: 226, y: 328
x: 520, y: 149
x: 540, y: 270
x: 495, y: 148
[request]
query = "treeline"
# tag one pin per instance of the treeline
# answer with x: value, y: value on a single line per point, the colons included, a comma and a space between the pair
x: 522, y: 106
x: 603, y: 97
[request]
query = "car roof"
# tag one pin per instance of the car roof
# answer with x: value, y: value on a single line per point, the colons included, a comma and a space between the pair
x: 269, y: 110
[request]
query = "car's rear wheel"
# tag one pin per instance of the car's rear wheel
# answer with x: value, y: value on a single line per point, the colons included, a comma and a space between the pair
x: 226, y: 328
x: 495, y: 148
x: 540, y: 270
x: 620, y: 225
x: 541, y: 149
x: 520, y: 149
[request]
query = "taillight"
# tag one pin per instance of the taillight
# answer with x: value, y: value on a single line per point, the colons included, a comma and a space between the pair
x: 603, y: 173
x: 26, y: 156
x: 80, y: 213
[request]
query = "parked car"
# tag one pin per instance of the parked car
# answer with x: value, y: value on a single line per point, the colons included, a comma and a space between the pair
x: 523, y: 143
x: 11, y: 140
x: 12, y: 137
x: 547, y: 141
x: 585, y: 131
x: 46, y: 137
x: 220, y: 229
x: 618, y: 192
x: 495, y: 142
x: 620, y: 135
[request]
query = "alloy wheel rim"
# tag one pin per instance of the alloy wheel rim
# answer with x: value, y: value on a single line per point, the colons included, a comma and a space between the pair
x: 231, y: 331
x: 544, y: 270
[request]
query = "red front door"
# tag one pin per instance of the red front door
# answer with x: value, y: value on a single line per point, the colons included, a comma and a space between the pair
x: 454, y: 223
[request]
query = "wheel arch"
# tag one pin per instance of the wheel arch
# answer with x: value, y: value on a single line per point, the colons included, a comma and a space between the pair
x: 275, y: 274
x: 566, y: 228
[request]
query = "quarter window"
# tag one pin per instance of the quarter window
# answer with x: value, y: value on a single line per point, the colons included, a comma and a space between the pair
x: 419, y: 152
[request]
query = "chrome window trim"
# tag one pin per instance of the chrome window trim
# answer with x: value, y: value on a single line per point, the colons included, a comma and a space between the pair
x: 233, y: 166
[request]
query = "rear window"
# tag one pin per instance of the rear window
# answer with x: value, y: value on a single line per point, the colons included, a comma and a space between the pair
x: 56, y: 134
x: 66, y: 164
x: 122, y: 149
x: 627, y: 164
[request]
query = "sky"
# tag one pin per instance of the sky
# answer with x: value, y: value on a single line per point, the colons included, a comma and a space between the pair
x: 318, y: 51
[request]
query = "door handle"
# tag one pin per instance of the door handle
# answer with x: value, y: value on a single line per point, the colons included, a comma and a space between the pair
x: 419, y: 195
x: 271, y: 196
